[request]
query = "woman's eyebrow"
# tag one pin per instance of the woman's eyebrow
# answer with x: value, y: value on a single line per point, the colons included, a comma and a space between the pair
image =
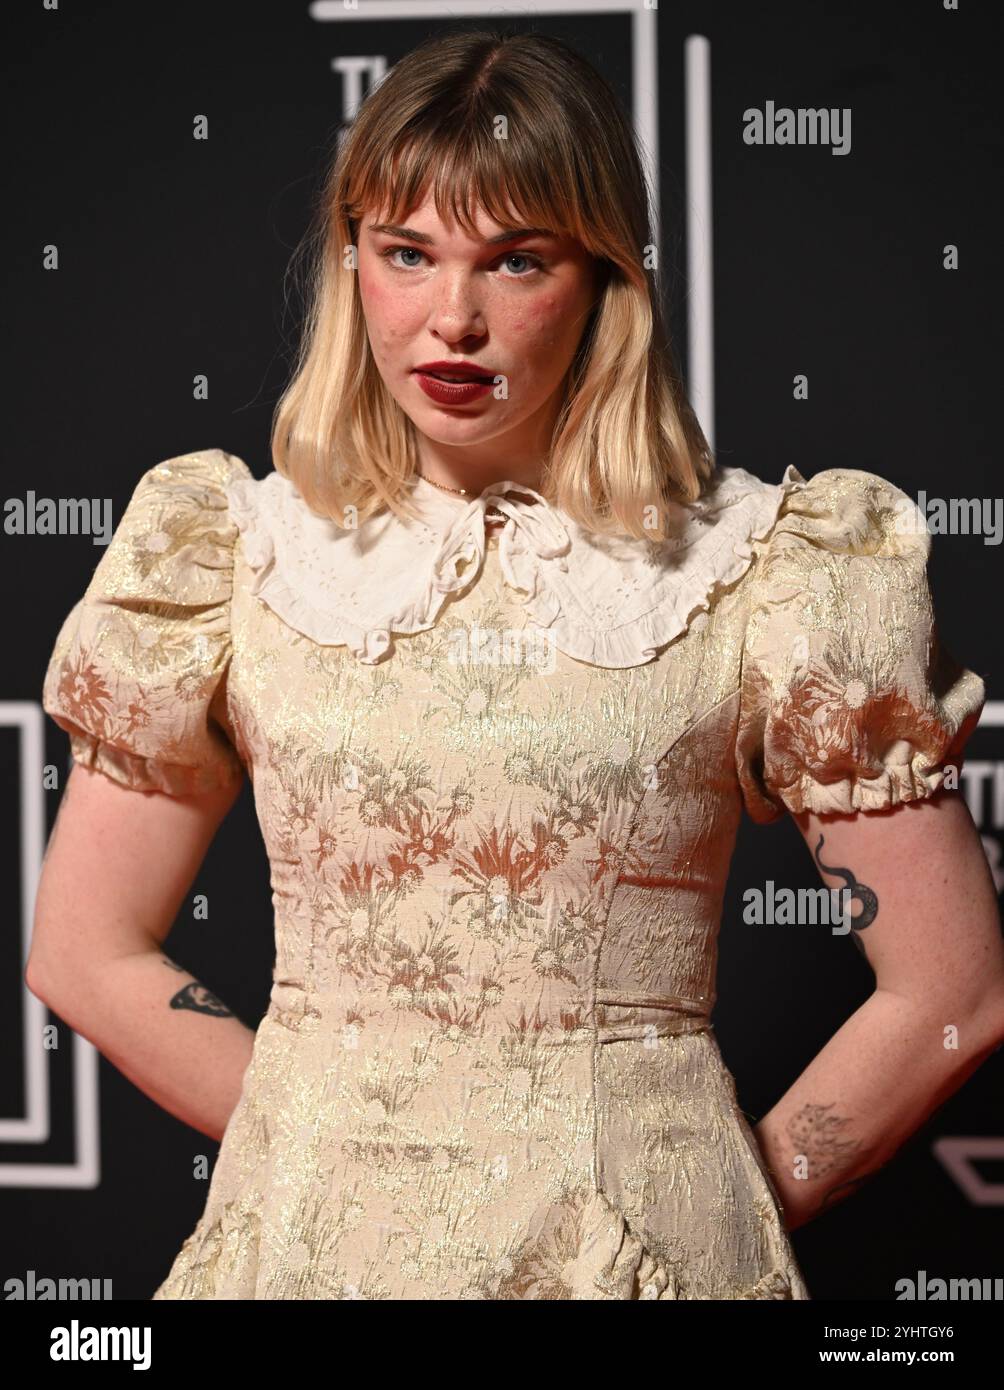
x: 390, y: 229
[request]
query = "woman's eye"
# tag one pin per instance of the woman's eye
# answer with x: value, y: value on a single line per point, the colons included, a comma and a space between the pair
x: 534, y: 262
x: 401, y: 250
x: 531, y: 262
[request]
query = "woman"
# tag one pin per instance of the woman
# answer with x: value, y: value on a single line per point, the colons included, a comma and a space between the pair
x: 504, y: 656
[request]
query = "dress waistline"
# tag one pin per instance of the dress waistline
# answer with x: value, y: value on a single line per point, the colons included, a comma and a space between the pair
x: 617, y: 1015
x: 622, y: 1015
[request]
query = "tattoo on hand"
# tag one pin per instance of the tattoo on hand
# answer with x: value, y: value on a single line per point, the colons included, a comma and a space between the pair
x: 866, y: 896
x: 816, y: 1134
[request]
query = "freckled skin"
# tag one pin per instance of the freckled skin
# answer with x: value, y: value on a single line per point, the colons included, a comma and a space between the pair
x: 459, y: 298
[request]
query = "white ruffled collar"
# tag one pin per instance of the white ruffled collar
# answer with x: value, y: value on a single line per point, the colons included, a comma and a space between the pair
x: 608, y: 600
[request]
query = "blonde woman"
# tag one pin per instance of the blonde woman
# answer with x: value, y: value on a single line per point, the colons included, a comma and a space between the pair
x: 504, y: 655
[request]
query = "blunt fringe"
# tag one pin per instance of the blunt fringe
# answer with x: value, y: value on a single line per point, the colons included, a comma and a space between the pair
x: 626, y: 444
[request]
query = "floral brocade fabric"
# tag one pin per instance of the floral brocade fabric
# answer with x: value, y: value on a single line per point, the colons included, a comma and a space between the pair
x: 487, y: 1069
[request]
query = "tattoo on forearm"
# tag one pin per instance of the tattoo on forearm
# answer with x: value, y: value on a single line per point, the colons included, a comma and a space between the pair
x: 816, y: 1134
x: 866, y: 896
x: 203, y: 1001
x: 196, y: 997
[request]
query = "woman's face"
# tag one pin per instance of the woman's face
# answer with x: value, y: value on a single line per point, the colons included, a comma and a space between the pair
x: 513, y: 305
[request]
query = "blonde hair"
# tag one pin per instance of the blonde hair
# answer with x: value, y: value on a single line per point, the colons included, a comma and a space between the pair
x: 625, y: 438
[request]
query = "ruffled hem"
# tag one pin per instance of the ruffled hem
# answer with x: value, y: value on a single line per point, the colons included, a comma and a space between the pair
x: 288, y: 603
x: 740, y: 512
x: 138, y: 773
x: 683, y: 597
x: 897, y: 784
x: 581, y: 1247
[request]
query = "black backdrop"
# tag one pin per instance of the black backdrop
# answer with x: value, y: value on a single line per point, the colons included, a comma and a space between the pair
x: 172, y: 256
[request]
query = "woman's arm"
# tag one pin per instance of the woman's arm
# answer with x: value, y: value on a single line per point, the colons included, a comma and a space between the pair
x: 934, y: 942
x: 116, y: 870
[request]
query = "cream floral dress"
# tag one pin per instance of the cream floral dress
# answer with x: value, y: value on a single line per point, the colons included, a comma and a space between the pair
x: 498, y: 777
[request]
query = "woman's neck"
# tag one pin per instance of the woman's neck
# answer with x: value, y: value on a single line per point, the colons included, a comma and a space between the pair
x: 520, y: 457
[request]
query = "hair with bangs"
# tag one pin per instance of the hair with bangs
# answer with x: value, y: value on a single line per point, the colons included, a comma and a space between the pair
x: 626, y: 443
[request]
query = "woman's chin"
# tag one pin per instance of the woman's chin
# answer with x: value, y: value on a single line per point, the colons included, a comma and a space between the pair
x: 445, y: 426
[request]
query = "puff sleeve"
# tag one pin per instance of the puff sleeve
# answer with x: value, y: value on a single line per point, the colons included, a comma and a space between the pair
x: 137, y: 676
x: 848, y: 700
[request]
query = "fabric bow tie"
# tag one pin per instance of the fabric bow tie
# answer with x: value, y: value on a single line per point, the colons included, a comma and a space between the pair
x: 538, y: 522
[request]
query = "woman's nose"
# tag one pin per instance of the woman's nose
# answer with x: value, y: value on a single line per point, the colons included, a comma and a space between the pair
x: 456, y: 310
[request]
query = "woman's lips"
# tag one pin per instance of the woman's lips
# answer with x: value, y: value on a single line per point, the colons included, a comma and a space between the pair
x: 452, y: 392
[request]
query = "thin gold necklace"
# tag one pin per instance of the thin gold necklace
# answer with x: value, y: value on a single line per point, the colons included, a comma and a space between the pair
x: 491, y: 512
x: 460, y: 491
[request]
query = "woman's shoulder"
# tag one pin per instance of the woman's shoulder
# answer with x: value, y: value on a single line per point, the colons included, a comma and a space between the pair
x: 845, y: 542
x: 176, y: 535
x: 137, y: 672
x: 850, y: 510
x: 197, y: 482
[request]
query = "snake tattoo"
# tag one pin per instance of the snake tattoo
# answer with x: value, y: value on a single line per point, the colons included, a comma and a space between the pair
x: 866, y: 896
